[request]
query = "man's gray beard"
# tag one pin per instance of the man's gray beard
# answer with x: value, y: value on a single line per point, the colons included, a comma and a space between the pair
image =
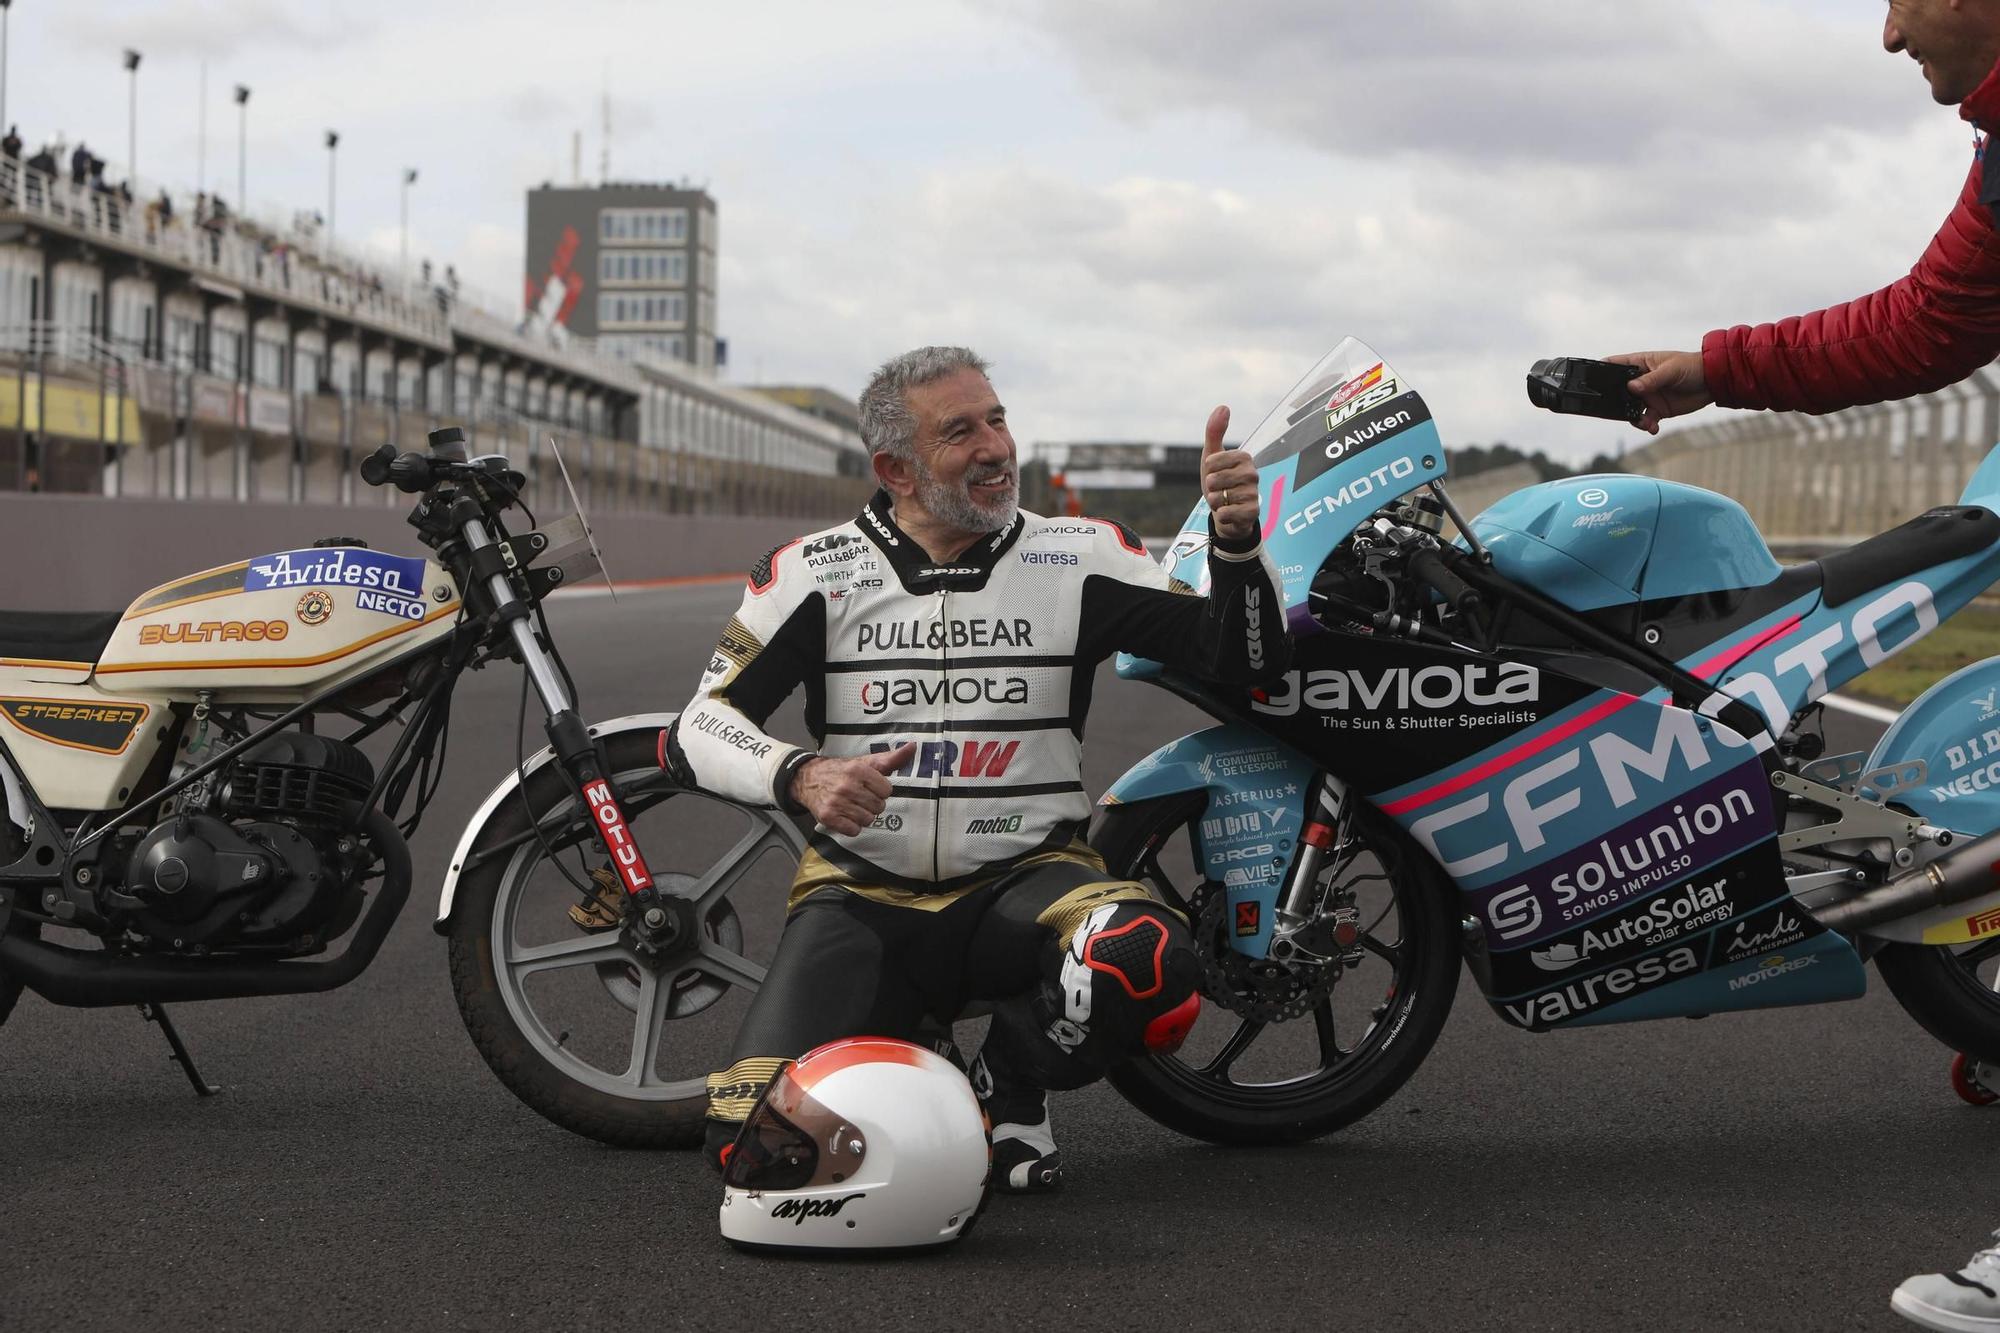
x: 958, y: 509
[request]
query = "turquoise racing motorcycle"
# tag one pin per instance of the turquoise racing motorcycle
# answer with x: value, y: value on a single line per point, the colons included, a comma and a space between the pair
x: 1578, y: 747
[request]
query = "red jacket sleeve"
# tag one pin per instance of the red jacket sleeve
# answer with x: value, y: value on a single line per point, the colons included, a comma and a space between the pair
x: 1927, y: 330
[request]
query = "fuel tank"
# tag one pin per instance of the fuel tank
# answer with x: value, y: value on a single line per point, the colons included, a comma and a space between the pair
x: 1606, y: 540
x: 278, y: 627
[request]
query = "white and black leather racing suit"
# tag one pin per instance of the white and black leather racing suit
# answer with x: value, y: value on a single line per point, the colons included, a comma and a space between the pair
x: 974, y: 883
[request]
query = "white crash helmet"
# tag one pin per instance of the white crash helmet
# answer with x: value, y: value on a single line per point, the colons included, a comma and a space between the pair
x: 862, y: 1144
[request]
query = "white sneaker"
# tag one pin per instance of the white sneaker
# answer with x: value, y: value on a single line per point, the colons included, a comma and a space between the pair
x: 1967, y: 1301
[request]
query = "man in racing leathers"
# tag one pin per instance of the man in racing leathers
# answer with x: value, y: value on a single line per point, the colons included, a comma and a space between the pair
x: 946, y: 641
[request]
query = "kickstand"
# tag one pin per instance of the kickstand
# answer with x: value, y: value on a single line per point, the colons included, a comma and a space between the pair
x: 155, y: 1013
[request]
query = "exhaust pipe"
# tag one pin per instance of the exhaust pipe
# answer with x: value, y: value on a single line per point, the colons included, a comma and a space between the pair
x: 1959, y: 875
x: 93, y: 979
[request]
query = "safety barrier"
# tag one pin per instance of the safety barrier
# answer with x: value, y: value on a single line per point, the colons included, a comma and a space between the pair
x: 1813, y: 480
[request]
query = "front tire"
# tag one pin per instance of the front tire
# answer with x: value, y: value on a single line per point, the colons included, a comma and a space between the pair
x: 576, y: 1023
x: 1412, y: 967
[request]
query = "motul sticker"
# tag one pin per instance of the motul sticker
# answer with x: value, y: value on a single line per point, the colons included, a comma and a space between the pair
x: 611, y: 827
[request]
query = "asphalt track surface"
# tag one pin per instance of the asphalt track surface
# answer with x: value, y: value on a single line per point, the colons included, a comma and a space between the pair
x: 363, y: 1169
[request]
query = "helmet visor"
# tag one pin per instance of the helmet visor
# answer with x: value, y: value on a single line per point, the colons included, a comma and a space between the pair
x: 792, y: 1142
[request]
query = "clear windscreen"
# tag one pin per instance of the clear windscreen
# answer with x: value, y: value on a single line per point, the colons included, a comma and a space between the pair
x: 1350, y: 437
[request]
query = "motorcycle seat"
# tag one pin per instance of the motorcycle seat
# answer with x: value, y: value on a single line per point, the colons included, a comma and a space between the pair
x: 56, y: 636
x: 1927, y: 540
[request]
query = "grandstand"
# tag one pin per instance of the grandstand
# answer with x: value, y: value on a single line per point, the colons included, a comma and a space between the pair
x: 157, y: 344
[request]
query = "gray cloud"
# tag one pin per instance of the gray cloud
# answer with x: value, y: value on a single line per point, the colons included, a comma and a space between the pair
x: 1558, y: 80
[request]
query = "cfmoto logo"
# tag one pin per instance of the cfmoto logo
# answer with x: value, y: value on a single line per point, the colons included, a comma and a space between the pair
x: 1593, y: 498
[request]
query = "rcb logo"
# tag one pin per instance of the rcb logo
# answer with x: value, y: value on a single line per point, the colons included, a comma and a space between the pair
x: 315, y: 607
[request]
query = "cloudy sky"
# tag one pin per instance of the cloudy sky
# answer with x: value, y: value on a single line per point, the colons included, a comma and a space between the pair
x: 1135, y: 210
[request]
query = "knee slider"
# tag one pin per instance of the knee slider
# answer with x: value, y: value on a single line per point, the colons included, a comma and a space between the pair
x: 1127, y: 970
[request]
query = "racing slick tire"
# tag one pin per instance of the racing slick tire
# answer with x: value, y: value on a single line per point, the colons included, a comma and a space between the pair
x: 1941, y: 987
x: 1191, y: 1090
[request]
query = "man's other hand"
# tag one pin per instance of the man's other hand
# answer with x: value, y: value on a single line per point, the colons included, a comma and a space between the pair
x: 845, y: 795
x: 1229, y: 484
x: 1674, y: 384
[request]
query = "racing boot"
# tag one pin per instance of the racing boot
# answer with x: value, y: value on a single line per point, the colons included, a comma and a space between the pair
x: 1964, y: 1302
x: 1025, y: 1160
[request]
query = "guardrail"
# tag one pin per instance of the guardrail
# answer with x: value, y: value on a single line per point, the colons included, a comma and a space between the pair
x: 1842, y: 476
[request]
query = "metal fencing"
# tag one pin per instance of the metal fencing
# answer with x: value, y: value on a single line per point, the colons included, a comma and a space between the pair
x: 1829, y: 479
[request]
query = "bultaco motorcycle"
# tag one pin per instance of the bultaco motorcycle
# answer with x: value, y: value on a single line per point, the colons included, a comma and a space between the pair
x: 190, y: 780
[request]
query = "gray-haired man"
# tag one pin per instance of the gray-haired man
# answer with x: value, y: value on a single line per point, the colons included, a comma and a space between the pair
x: 946, y: 642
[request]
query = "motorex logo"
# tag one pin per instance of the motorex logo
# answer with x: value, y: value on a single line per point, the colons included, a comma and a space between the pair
x: 338, y: 566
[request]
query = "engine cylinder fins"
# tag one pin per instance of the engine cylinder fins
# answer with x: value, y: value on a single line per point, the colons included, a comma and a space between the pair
x: 302, y: 775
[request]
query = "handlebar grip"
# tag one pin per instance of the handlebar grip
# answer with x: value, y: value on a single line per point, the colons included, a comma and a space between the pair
x: 1428, y: 568
x: 375, y: 467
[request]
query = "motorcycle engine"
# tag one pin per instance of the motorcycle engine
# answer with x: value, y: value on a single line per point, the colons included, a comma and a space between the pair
x: 271, y: 863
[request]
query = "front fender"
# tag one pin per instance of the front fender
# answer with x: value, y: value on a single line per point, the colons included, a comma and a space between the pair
x: 1953, y: 730
x: 539, y: 760
x: 1257, y: 791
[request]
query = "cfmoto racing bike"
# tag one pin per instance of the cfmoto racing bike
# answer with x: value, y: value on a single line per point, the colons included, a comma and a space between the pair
x: 1577, y: 747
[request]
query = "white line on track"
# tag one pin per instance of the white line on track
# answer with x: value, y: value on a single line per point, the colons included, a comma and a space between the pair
x: 1873, y: 712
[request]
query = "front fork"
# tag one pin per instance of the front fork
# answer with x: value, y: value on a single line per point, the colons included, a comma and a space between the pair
x: 652, y: 920
x: 1300, y: 931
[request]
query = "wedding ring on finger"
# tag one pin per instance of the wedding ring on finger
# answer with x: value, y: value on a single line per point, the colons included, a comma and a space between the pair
x: 1225, y: 495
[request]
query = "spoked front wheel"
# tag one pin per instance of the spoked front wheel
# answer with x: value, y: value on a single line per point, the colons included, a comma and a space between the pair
x: 1283, y: 1054
x: 603, y: 1039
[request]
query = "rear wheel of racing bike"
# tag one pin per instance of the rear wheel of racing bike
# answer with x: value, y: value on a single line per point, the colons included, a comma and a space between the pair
x: 1949, y: 989
x: 1289, y: 1053
x: 599, y: 1038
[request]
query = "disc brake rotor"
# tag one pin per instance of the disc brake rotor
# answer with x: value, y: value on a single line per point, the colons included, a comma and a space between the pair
x: 693, y: 991
x: 1262, y: 989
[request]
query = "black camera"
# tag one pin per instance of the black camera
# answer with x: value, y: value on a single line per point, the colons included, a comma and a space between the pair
x: 1576, y: 387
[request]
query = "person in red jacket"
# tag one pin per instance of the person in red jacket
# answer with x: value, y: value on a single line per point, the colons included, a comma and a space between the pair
x: 1923, y: 332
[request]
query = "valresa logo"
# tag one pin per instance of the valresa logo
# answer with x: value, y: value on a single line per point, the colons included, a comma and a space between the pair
x: 878, y: 696
x: 953, y: 759
x: 1589, y: 993
x: 1330, y: 691
x: 1048, y: 558
x: 338, y: 566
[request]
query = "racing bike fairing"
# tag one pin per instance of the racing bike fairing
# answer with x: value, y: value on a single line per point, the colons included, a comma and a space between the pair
x: 1257, y: 790
x: 1350, y: 436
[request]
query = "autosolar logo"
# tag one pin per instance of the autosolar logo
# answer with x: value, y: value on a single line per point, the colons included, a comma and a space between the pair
x: 340, y: 566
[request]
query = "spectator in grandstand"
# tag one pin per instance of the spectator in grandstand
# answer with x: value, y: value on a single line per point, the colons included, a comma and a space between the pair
x: 11, y: 145
x: 43, y: 161
x: 1929, y: 329
x: 79, y: 165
